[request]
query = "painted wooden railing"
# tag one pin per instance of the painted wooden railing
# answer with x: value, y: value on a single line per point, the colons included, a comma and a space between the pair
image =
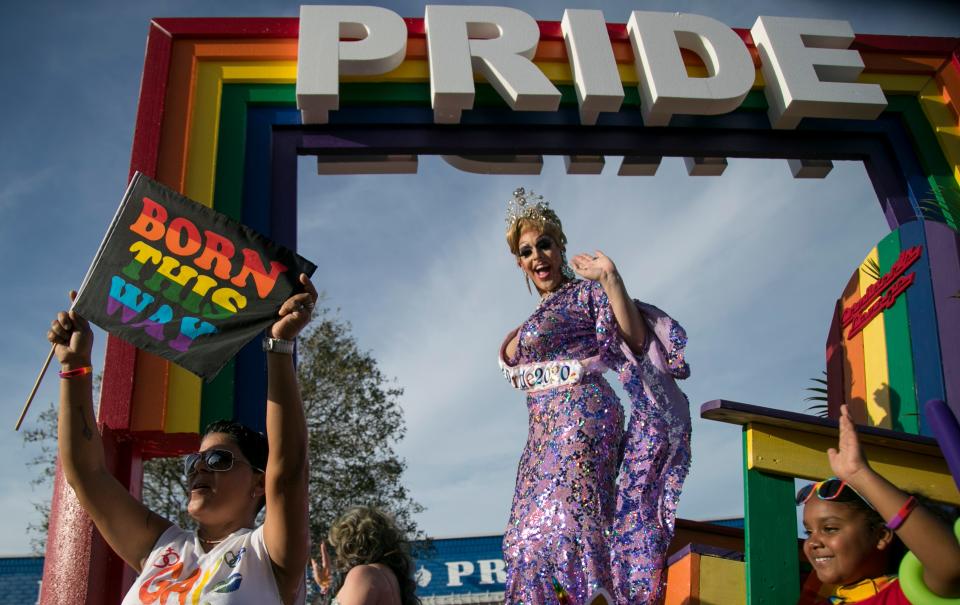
x: 779, y: 447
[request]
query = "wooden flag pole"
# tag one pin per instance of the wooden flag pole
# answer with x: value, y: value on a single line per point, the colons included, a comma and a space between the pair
x: 36, y: 385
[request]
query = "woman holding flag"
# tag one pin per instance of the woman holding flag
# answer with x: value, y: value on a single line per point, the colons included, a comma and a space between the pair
x: 227, y: 559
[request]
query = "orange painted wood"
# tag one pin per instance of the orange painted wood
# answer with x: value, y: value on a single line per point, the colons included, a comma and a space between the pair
x: 854, y: 375
x: 900, y: 64
x: 948, y: 80
x: 835, y: 364
x: 173, y: 134
x: 246, y: 50
x: 149, y: 401
x: 695, y: 576
x: 680, y: 580
x: 416, y: 49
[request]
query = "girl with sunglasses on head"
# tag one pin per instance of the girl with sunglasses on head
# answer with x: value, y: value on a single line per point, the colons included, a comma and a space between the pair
x: 593, y: 510
x: 855, y: 523
x: 227, y: 560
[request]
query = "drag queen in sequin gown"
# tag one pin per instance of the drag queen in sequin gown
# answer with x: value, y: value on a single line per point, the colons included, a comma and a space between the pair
x: 593, y: 511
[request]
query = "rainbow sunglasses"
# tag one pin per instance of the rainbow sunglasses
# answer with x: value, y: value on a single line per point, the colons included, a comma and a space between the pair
x: 829, y: 489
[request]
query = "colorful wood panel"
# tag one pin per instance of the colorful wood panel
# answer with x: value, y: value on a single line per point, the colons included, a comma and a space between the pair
x: 701, y: 575
x: 907, y: 354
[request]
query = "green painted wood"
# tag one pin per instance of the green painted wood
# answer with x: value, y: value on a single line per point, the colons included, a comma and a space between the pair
x: 928, y: 150
x: 946, y: 192
x: 770, y: 532
x: 271, y: 94
x: 904, y: 408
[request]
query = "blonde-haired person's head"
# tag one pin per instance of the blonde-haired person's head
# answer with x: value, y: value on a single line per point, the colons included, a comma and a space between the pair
x: 546, y: 222
x: 364, y: 535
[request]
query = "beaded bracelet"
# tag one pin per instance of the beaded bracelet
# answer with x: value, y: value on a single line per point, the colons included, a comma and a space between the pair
x: 902, y: 514
x: 77, y: 372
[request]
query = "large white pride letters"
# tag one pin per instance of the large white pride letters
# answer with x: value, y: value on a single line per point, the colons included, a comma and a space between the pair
x: 808, y: 68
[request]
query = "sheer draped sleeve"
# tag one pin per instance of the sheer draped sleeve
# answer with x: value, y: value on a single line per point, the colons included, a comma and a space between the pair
x: 655, y: 449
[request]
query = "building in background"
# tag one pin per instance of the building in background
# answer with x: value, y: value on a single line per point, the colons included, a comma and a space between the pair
x: 20, y: 580
x: 462, y: 570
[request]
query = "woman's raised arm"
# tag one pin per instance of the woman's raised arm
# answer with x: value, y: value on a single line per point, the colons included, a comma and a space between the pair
x: 129, y: 527
x: 286, y: 528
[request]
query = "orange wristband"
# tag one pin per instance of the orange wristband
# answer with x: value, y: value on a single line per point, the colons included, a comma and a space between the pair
x: 76, y: 373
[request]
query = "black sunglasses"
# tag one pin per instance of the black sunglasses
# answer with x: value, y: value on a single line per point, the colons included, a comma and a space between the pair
x: 215, y: 460
x: 544, y: 244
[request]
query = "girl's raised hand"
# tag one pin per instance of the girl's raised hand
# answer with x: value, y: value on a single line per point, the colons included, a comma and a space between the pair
x: 847, y: 459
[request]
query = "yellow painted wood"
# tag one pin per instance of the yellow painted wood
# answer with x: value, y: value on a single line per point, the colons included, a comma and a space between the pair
x: 257, y: 72
x: 204, y: 124
x: 412, y: 71
x: 943, y: 123
x: 896, y: 83
x: 875, y: 358
x: 789, y: 452
x: 722, y: 581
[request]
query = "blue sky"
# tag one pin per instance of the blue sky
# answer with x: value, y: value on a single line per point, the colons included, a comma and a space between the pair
x: 751, y: 262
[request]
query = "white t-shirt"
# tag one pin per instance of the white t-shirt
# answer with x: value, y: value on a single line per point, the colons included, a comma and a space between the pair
x: 236, y: 571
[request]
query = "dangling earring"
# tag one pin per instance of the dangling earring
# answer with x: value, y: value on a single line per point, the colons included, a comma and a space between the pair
x: 565, y: 269
x: 527, y: 279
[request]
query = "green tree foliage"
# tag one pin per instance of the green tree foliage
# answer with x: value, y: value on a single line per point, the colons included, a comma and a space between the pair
x: 354, y: 421
x: 165, y: 490
x: 43, y: 432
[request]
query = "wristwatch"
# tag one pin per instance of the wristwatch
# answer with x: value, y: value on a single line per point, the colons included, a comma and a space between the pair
x: 278, y: 345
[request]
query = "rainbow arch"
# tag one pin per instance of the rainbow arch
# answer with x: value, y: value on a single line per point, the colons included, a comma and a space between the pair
x: 217, y: 121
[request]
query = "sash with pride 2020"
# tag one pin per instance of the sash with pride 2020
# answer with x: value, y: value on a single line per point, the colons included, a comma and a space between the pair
x: 182, y: 281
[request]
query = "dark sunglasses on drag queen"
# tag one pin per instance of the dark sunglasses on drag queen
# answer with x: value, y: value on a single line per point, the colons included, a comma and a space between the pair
x: 215, y: 460
x: 829, y: 489
x: 543, y: 244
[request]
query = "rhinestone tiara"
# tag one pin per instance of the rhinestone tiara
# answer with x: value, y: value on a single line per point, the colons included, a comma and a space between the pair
x: 529, y: 205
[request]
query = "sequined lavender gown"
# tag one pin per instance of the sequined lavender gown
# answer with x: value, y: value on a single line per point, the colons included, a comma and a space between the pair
x: 594, y: 504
